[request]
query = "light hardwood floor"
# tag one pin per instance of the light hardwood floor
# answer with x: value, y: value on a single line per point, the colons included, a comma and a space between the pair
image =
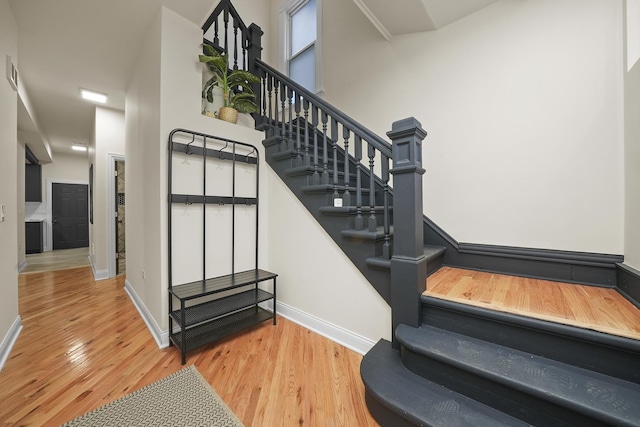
x: 83, y: 344
x: 599, y: 309
x: 57, y: 260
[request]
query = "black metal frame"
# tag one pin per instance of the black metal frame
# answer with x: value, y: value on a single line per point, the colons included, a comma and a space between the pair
x: 208, y: 321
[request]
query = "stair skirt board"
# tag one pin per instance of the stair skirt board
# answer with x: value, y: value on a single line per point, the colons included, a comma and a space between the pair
x: 562, y: 266
x: 629, y: 283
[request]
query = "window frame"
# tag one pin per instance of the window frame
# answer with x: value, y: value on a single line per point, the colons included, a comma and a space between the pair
x: 287, y: 9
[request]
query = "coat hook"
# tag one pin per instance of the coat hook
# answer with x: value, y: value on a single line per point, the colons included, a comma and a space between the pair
x: 188, y: 149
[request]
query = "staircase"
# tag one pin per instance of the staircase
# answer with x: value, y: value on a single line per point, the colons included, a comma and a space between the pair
x: 449, y: 364
x: 477, y: 366
x: 357, y: 228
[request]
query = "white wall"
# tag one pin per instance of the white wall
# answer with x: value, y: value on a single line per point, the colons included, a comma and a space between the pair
x: 9, y: 318
x: 523, y: 104
x: 109, y: 138
x: 315, y: 275
x: 142, y: 134
x: 164, y: 94
x: 632, y: 139
x: 169, y: 75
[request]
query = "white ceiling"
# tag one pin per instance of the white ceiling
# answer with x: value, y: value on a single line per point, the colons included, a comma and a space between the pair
x: 65, y: 45
x: 393, y: 18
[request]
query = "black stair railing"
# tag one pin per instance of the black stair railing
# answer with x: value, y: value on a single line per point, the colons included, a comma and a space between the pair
x: 340, y: 155
x: 226, y: 32
x: 329, y: 145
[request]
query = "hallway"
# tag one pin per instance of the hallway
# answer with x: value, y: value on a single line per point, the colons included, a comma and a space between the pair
x: 83, y: 344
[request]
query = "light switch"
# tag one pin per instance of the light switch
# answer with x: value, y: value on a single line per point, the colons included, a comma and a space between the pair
x: 1, y: 213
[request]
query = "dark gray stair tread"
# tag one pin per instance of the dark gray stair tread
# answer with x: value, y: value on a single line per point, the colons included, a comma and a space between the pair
x: 430, y: 252
x: 292, y: 153
x: 328, y: 188
x: 308, y: 170
x: 350, y: 210
x: 366, y: 234
x: 421, y: 401
x: 605, y: 398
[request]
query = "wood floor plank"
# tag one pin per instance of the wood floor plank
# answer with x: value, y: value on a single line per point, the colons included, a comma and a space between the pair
x: 599, y: 309
x: 83, y: 344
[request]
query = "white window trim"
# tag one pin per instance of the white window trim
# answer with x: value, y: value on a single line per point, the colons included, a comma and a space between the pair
x: 284, y: 42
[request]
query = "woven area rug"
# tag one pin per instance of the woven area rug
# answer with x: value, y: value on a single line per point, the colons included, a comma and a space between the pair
x: 184, y: 398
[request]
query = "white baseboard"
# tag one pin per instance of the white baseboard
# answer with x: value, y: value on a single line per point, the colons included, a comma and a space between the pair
x: 161, y: 337
x: 335, y: 333
x: 98, y: 274
x: 9, y: 341
x: 22, y: 265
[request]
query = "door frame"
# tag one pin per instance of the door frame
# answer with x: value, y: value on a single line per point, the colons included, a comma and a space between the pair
x: 48, y: 234
x: 112, y: 158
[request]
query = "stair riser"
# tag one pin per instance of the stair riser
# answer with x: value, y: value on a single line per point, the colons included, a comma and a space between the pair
x: 527, y: 407
x: 609, y: 355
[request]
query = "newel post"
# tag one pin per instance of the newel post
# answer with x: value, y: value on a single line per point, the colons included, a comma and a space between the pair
x: 408, y: 263
x: 254, y: 52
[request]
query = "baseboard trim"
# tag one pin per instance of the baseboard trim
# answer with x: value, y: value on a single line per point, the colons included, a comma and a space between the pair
x: 629, y: 283
x: 161, y: 337
x: 9, y: 341
x: 98, y: 274
x: 21, y: 266
x: 335, y: 333
x: 563, y: 266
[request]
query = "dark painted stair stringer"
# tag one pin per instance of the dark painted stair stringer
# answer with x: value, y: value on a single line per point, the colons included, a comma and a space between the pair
x: 363, y: 247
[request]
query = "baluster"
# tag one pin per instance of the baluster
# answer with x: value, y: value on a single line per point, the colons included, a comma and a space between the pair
x: 269, y: 101
x: 283, y: 98
x: 314, y: 126
x: 386, y: 248
x: 235, y: 44
x: 216, y: 40
x: 265, y: 113
x: 373, y: 222
x: 305, y: 106
x: 298, y: 161
x: 346, y: 196
x: 359, y: 224
x: 226, y: 32
x: 290, y: 102
x: 325, y: 160
x: 334, y: 141
x: 245, y: 45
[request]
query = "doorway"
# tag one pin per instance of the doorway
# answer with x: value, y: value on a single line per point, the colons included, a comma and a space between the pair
x: 121, y: 254
x: 70, y: 216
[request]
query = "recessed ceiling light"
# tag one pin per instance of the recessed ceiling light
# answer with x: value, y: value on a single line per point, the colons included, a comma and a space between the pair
x: 79, y: 147
x: 94, y: 96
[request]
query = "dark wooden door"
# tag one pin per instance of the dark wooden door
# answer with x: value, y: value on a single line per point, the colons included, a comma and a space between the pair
x: 70, y: 216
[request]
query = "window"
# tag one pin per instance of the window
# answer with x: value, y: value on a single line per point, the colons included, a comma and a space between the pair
x: 300, y: 42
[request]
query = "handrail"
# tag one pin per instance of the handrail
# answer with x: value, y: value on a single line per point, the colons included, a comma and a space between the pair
x: 216, y: 12
x: 373, y: 139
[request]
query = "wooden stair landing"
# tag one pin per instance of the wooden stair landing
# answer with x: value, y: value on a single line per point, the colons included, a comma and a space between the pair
x: 588, y: 307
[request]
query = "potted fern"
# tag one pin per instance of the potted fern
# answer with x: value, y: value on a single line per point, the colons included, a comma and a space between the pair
x: 238, y: 96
